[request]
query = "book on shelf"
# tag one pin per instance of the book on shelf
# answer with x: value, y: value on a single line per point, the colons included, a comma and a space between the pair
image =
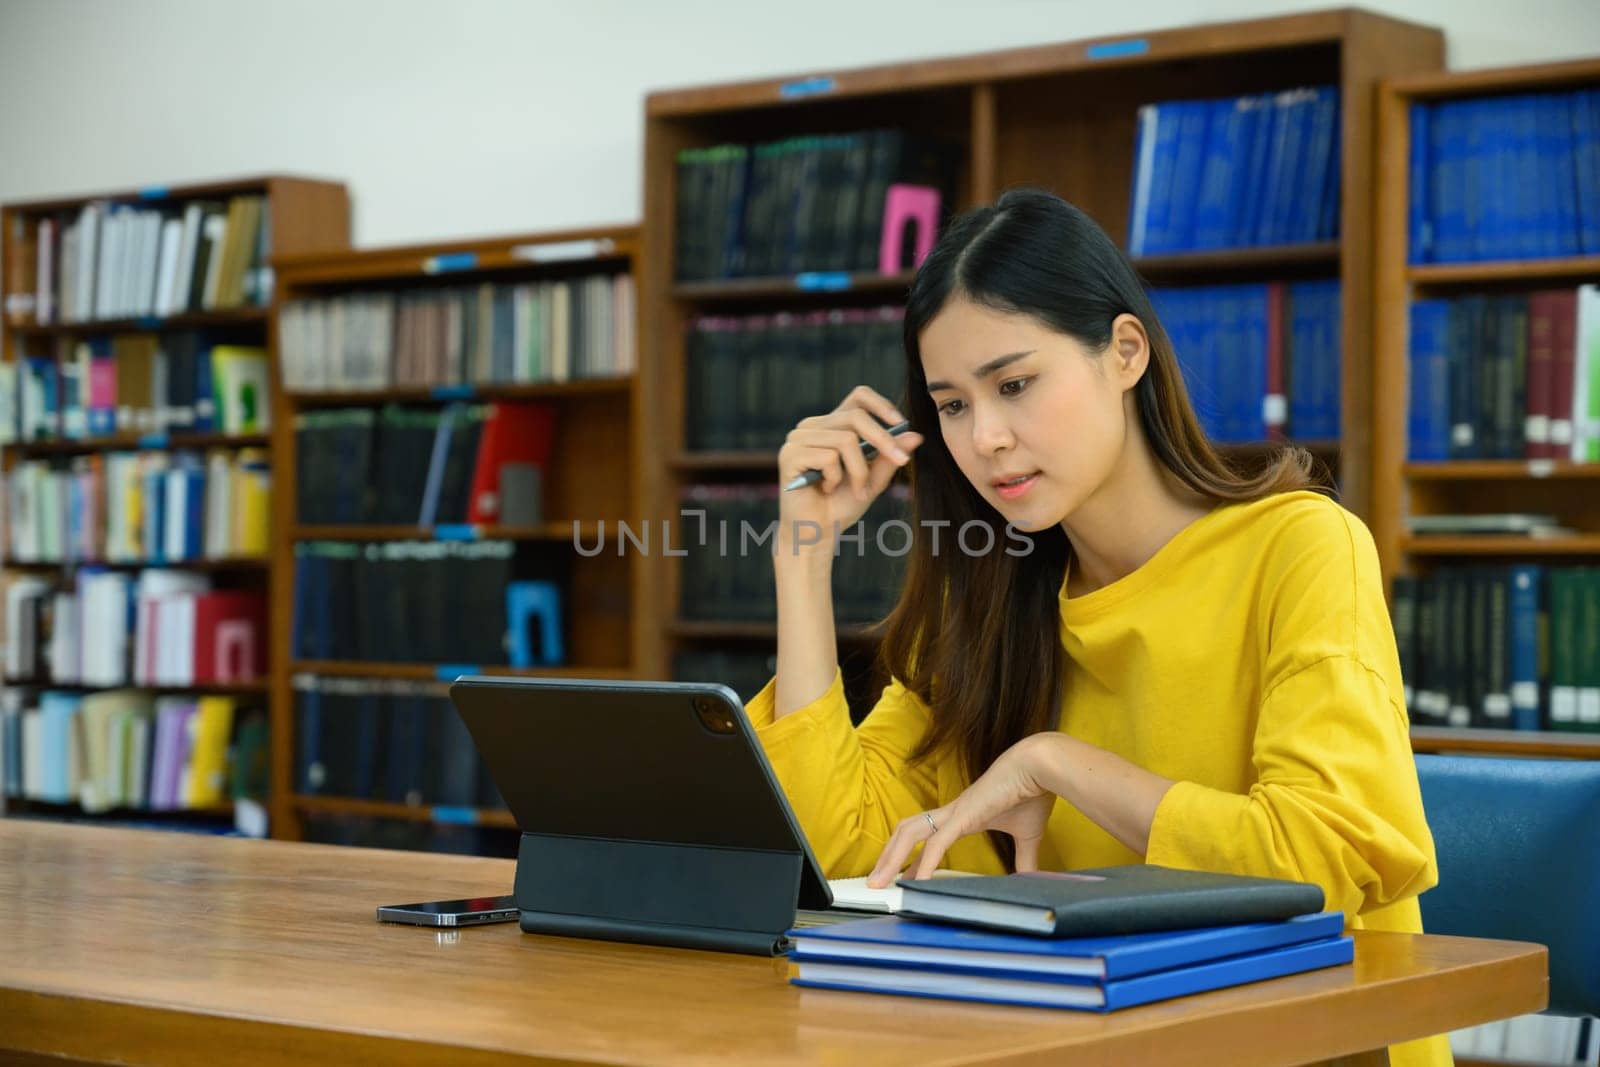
x: 1513, y: 176
x: 134, y: 384
x: 726, y: 531
x: 394, y: 741
x: 1259, y: 361
x: 1236, y: 172
x: 800, y: 204
x: 750, y: 379
x: 408, y: 601
x: 492, y: 333
x: 1521, y: 524
x: 109, y: 260
x: 123, y: 749
x: 140, y: 507
x: 1501, y: 647
x: 1505, y: 377
x: 482, y: 464
x: 109, y: 628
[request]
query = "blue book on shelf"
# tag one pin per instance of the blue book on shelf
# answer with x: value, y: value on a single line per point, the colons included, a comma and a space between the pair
x: 1050, y: 991
x: 904, y: 942
x: 1194, y: 121
x: 1564, y: 150
x: 1166, y: 127
x: 1143, y: 160
x: 1586, y: 165
x: 1428, y: 404
x: 1446, y: 195
x: 1223, y: 164
x: 1420, y: 214
x: 1527, y: 585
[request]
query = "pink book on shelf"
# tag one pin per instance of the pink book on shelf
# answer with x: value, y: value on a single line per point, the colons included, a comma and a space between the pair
x: 102, y: 394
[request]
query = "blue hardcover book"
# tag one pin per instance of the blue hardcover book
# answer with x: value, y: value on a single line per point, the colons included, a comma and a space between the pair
x: 1448, y: 195
x: 1259, y: 215
x: 1223, y: 163
x: 1527, y: 582
x: 1328, y: 226
x: 1428, y: 405
x: 1187, y: 169
x: 1420, y: 215
x: 902, y: 942
x: 310, y: 771
x: 1586, y: 162
x: 1569, y: 239
x: 155, y: 516
x: 1045, y: 991
x: 56, y: 713
x: 1254, y: 113
x: 1307, y: 213
x: 1285, y: 198
x: 1144, y: 150
x: 205, y: 400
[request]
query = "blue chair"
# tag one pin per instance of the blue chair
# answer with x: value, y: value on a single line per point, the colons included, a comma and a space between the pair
x: 1518, y: 842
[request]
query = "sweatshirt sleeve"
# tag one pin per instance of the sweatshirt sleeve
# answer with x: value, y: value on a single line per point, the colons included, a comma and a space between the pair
x: 1335, y: 800
x: 849, y: 786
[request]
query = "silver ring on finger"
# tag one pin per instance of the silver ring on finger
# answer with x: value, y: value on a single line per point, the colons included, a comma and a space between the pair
x: 929, y: 816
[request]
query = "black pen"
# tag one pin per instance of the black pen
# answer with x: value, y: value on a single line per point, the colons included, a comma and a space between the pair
x: 869, y: 452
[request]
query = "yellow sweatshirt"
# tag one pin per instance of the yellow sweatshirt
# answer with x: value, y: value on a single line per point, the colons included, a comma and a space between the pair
x: 1251, y: 660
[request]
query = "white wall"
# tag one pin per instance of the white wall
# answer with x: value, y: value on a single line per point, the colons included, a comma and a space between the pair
x: 457, y: 118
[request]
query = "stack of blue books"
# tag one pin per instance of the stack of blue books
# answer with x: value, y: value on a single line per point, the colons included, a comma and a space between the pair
x: 926, y: 959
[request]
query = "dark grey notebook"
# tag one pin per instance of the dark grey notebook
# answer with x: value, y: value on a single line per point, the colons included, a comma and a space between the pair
x: 1108, y: 900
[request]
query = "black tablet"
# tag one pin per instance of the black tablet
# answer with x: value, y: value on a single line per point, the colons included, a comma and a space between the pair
x: 660, y: 781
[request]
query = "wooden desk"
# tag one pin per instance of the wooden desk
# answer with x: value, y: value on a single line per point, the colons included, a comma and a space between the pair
x: 142, y: 947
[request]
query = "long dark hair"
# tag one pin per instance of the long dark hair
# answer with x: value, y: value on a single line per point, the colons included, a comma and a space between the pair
x: 977, y: 636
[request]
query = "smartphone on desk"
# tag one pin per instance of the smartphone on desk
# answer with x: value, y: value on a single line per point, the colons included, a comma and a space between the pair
x: 473, y: 911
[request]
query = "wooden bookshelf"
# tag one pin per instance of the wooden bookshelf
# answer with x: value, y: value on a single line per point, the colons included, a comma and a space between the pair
x: 1401, y: 488
x: 193, y: 320
x: 1494, y: 545
x: 1061, y: 116
x: 443, y: 672
x: 592, y: 484
x: 1278, y: 261
x: 304, y: 215
x: 1563, y: 744
x: 74, y: 446
x: 227, y: 563
x: 529, y: 391
x: 1513, y: 272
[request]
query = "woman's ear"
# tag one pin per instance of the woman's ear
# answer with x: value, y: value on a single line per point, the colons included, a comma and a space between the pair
x: 1129, y: 350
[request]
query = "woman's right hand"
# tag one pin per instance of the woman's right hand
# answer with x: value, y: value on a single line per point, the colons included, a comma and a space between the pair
x: 831, y: 443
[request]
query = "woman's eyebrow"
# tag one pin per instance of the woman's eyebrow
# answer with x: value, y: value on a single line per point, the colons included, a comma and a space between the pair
x: 984, y: 371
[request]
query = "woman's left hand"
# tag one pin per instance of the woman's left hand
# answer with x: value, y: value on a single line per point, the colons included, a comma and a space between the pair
x: 1007, y: 797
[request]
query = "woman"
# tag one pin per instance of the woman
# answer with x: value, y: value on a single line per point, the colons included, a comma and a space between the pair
x: 1180, y: 665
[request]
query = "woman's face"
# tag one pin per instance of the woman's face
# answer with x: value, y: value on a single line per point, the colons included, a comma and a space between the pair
x: 1034, y: 420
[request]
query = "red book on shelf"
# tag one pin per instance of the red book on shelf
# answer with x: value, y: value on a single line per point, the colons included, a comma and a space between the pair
x: 1564, y: 309
x: 513, y: 434
x: 1541, y: 374
x: 230, y: 637
x: 1275, y: 406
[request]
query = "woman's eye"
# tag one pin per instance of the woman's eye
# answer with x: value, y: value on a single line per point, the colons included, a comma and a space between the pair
x: 1014, y: 386
x: 950, y: 407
